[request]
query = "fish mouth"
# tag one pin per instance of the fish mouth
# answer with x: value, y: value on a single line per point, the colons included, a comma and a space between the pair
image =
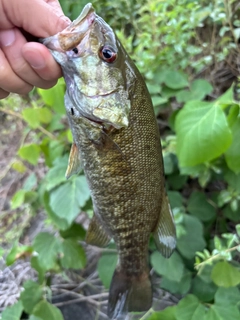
x: 70, y: 37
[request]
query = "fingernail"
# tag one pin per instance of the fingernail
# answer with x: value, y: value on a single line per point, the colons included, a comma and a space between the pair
x: 7, y: 37
x: 35, y: 60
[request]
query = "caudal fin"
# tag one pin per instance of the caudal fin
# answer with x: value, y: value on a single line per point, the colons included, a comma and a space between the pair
x: 129, y: 293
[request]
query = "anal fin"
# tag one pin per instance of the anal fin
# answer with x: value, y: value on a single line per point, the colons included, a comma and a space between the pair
x: 74, y: 163
x: 96, y: 234
x: 165, y: 231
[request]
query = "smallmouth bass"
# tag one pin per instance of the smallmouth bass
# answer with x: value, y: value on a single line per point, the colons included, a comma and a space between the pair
x: 117, y: 142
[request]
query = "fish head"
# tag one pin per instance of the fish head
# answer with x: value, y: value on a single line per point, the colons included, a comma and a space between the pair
x: 96, y: 69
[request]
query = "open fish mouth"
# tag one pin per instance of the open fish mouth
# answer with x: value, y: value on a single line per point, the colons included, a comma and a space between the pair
x: 70, y: 37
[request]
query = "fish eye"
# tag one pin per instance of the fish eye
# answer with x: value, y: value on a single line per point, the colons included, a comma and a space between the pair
x: 107, y: 54
x: 75, y: 50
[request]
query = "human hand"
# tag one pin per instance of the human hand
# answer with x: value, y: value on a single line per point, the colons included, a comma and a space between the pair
x: 23, y: 64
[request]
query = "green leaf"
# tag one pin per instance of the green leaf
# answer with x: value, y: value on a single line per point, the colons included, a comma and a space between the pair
x: 13, y: 313
x: 205, y: 291
x: 230, y: 214
x: 171, y: 268
x: 30, y: 153
x: 30, y: 183
x: 192, y: 240
x: 198, y: 90
x: 106, y: 266
x: 175, y: 79
x: 225, y: 275
x: 36, y: 265
x: 32, y: 317
x: 175, y: 199
x: 17, y: 252
x: 232, y: 153
x: 166, y: 314
x: 54, y: 97
x: 48, y: 247
x: 227, y: 296
x: 168, y: 163
x: 30, y: 115
x: 181, y: 287
x: 202, y: 133
x: 75, y: 231
x: 199, y: 206
x: 223, y: 313
x: 73, y: 255
x: 44, y: 115
x: 67, y: 199
x: 31, y: 295
x: 19, y: 166
x: 56, y: 175
x: 47, y: 311
x: 233, y: 180
x: 18, y: 199
x: 189, y: 308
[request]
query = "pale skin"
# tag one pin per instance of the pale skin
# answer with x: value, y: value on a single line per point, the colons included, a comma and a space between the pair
x: 23, y: 64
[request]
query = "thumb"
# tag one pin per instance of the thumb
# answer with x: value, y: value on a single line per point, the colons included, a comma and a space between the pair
x: 41, y: 18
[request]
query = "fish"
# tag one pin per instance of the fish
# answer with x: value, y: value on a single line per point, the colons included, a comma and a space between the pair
x: 117, y: 144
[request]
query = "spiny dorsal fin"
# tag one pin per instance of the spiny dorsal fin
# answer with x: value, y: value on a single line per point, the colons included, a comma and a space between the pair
x: 74, y: 164
x: 96, y: 235
x: 165, y: 232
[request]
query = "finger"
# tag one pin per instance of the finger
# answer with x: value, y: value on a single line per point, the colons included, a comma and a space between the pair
x: 41, y: 60
x: 9, y: 81
x: 36, y: 17
x: 3, y: 94
x: 12, y: 42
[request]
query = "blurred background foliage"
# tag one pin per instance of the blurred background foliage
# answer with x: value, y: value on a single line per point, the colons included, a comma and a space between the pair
x: 188, y: 53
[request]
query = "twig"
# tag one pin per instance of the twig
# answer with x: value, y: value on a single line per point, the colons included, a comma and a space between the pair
x: 18, y: 115
x: 84, y: 298
x: 216, y: 256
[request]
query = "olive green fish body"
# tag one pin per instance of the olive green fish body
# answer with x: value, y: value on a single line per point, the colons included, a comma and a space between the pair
x: 117, y: 142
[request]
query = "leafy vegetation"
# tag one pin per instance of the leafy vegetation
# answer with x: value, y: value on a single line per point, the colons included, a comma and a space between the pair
x: 178, y: 46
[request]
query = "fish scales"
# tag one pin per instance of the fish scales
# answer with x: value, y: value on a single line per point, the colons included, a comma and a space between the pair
x: 117, y: 142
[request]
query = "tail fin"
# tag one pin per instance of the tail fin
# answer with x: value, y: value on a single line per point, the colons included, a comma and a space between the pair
x: 129, y: 293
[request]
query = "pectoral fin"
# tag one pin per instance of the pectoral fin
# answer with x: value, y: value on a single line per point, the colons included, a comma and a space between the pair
x: 165, y: 232
x: 96, y: 234
x: 74, y: 164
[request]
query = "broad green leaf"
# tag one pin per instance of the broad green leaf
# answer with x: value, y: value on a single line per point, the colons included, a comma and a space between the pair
x: 176, y: 181
x: 222, y: 313
x: 13, y: 313
x: 157, y: 100
x: 175, y: 199
x: 106, y: 266
x: 189, y: 308
x: 192, y: 240
x: 19, y: 166
x: 30, y: 115
x: 41, y: 272
x: 198, y: 90
x: 232, y: 153
x: 30, y: 183
x: 54, y: 97
x: 181, y: 287
x: 44, y: 115
x: 166, y: 314
x: 171, y: 268
x: 205, y: 291
x: 52, y: 150
x: 230, y: 214
x: 199, y: 207
x: 18, y: 252
x: 205, y: 273
x: 61, y: 223
x: 47, y: 311
x: 31, y: 295
x: 56, y: 174
x: 202, y: 133
x: 73, y: 255
x: 233, y: 180
x: 18, y: 199
x: 32, y: 317
x: 175, y: 79
x: 48, y: 247
x: 227, y: 296
x: 67, y: 199
x: 75, y: 231
x: 225, y: 275
x: 168, y: 163
x: 30, y: 153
